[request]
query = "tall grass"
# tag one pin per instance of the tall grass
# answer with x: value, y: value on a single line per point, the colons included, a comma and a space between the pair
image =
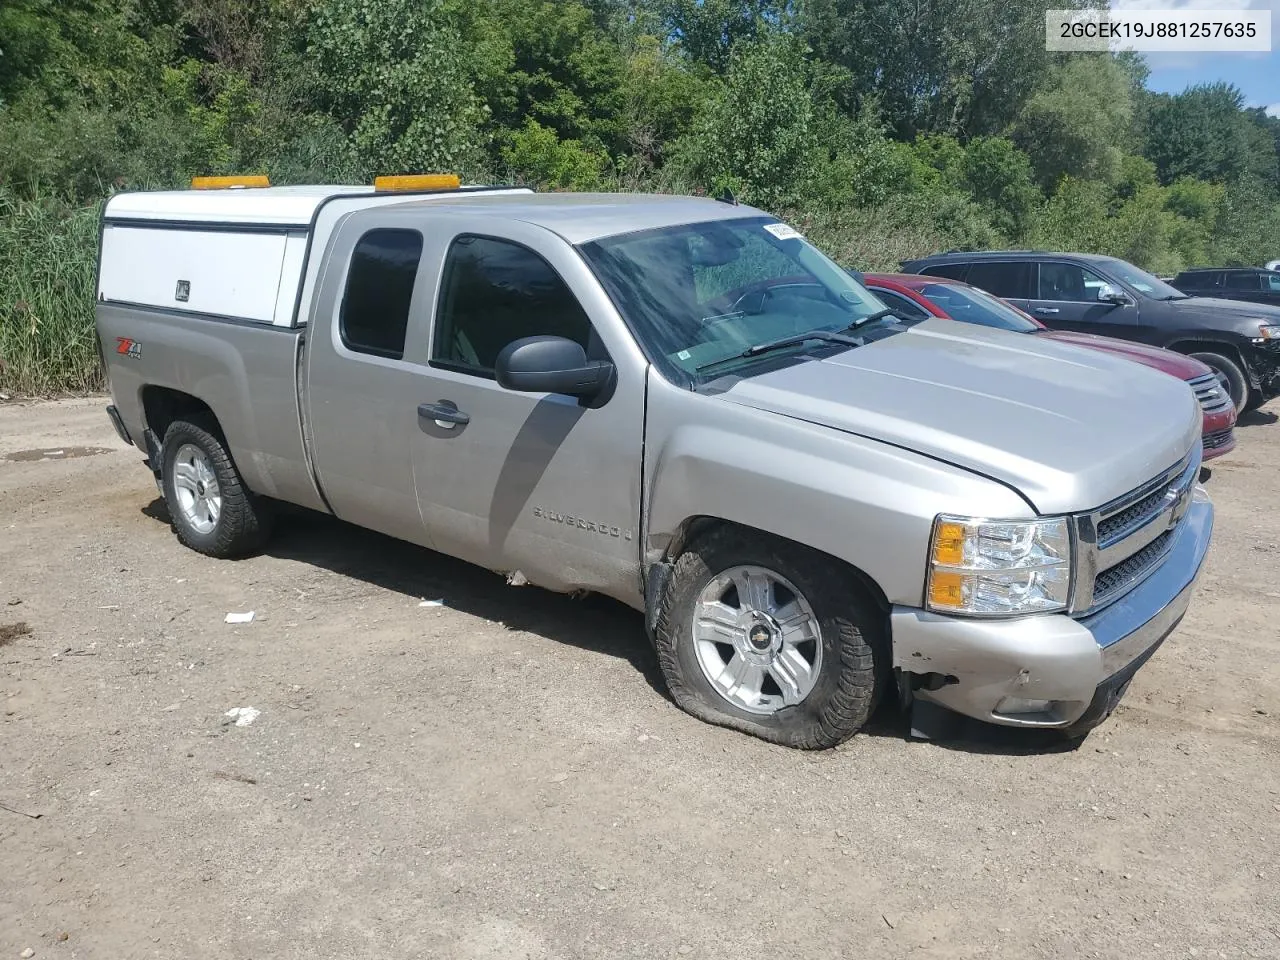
x: 48, y: 251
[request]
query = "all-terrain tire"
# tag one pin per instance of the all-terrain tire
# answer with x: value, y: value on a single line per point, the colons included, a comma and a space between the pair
x: 244, y: 521
x: 854, y: 637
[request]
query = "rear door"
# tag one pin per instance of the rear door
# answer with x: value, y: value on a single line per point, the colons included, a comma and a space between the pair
x: 1246, y: 285
x: 539, y: 483
x: 362, y: 383
x: 1012, y: 280
x: 1066, y: 298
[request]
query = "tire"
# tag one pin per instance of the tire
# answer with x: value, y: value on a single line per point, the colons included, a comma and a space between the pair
x: 847, y: 658
x: 1256, y: 399
x: 194, y: 454
x: 1237, y: 383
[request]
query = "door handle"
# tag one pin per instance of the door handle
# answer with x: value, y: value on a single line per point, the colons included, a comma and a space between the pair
x: 1048, y: 310
x: 444, y: 413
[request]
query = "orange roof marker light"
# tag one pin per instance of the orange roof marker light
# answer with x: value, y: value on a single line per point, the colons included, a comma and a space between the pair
x: 229, y: 183
x: 423, y: 181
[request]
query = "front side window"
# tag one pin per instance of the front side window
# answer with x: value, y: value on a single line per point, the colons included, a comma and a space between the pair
x: 1002, y: 278
x: 698, y: 295
x: 1140, y: 280
x: 952, y: 271
x: 970, y: 305
x: 1068, y: 282
x: 375, y: 305
x: 495, y: 292
x: 1273, y: 282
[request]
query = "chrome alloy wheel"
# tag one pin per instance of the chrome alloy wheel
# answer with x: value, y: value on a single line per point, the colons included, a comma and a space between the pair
x: 757, y: 639
x: 196, y: 486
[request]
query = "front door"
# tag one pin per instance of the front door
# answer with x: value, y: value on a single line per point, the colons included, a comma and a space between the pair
x: 537, y: 483
x: 1066, y: 298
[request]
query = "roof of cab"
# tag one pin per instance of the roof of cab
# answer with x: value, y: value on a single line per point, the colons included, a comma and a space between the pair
x: 577, y: 217
x: 583, y: 217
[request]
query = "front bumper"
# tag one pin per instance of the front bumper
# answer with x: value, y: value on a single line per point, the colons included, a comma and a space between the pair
x: 1080, y: 666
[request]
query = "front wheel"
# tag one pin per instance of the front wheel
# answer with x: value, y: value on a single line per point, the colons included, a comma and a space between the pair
x: 1237, y: 383
x: 771, y: 638
x: 211, y: 509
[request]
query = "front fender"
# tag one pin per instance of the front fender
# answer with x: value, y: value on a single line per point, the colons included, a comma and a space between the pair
x: 867, y: 503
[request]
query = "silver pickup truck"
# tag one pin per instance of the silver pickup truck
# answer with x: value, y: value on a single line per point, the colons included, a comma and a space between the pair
x: 677, y: 402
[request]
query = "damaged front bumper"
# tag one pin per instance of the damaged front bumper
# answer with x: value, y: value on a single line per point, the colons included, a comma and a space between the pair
x: 1054, y: 670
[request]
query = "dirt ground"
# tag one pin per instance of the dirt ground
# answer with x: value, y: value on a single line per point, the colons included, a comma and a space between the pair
x: 502, y: 777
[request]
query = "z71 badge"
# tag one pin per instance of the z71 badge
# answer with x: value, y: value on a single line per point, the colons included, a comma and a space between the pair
x: 128, y: 348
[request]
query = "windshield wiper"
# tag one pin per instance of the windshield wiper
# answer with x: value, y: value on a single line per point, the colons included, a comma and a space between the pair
x: 878, y: 315
x: 826, y: 336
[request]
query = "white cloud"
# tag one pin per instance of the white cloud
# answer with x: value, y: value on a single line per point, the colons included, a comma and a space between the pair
x: 1274, y: 111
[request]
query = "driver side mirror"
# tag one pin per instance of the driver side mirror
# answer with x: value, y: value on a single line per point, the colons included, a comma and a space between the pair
x: 551, y: 365
x: 1109, y: 294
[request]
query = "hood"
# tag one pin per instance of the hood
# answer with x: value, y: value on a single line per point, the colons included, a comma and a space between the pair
x: 1069, y: 429
x: 1235, y: 308
x: 1174, y: 364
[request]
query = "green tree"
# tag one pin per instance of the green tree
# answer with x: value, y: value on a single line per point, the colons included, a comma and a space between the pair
x: 707, y: 31
x: 535, y: 155
x: 1202, y: 132
x: 394, y: 75
x: 1074, y: 124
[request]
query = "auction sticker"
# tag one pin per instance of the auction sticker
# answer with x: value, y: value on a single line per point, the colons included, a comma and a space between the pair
x: 784, y: 231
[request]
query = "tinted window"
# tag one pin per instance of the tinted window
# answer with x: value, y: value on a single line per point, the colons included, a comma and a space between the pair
x: 952, y: 271
x: 969, y: 305
x: 1200, y: 280
x: 1140, y: 280
x: 902, y: 306
x: 375, y: 306
x: 1004, y: 279
x: 1239, y: 280
x: 494, y: 292
x: 1068, y: 281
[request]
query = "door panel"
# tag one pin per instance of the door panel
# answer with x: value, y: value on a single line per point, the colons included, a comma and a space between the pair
x: 1065, y: 297
x: 361, y: 394
x: 538, y: 483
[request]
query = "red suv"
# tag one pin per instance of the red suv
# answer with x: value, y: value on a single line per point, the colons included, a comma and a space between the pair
x: 915, y: 297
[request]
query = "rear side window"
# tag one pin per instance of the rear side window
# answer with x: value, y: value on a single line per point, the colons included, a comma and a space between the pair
x: 495, y: 292
x: 375, y: 306
x: 1240, y: 280
x: 1010, y: 279
x: 952, y: 271
x: 1201, y: 280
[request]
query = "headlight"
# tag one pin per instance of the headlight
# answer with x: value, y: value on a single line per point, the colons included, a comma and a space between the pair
x: 1269, y: 332
x: 999, y: 568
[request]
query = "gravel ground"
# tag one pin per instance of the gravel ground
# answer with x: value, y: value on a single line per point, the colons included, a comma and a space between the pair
x: 502, y: 777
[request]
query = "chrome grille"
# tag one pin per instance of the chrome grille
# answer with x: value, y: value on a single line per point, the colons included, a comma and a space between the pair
x: 1212, y: 441
x: 1211, y: 393
x: 1114, y: 580
x: 1125, y: 540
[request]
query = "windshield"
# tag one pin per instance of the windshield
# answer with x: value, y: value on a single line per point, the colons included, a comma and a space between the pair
x: 699, y: 294
x: 971, y: 305
x: 1140, y: 280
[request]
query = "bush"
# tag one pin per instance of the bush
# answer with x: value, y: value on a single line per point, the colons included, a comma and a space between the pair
x: 48, y: 254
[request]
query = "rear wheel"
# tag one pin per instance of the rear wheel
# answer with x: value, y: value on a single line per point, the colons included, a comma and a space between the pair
x: 771, y: 638
x: 1237, y: 383
x: 211, y: 509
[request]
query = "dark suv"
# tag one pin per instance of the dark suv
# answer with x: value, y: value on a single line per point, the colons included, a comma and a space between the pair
x: 1231, y: 283
x: 1107, y: 296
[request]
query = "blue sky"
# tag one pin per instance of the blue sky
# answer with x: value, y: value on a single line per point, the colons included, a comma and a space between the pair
x: 1257, y: 74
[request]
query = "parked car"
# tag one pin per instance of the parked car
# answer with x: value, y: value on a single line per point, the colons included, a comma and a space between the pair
x: 614, y: 393
x: 918, y: 297
x: 1236, y: 283
x: 1272, y: 265
x: 1103, y: 295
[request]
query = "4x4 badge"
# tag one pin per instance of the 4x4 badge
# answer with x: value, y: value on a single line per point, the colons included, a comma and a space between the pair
x: 128, y: 348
